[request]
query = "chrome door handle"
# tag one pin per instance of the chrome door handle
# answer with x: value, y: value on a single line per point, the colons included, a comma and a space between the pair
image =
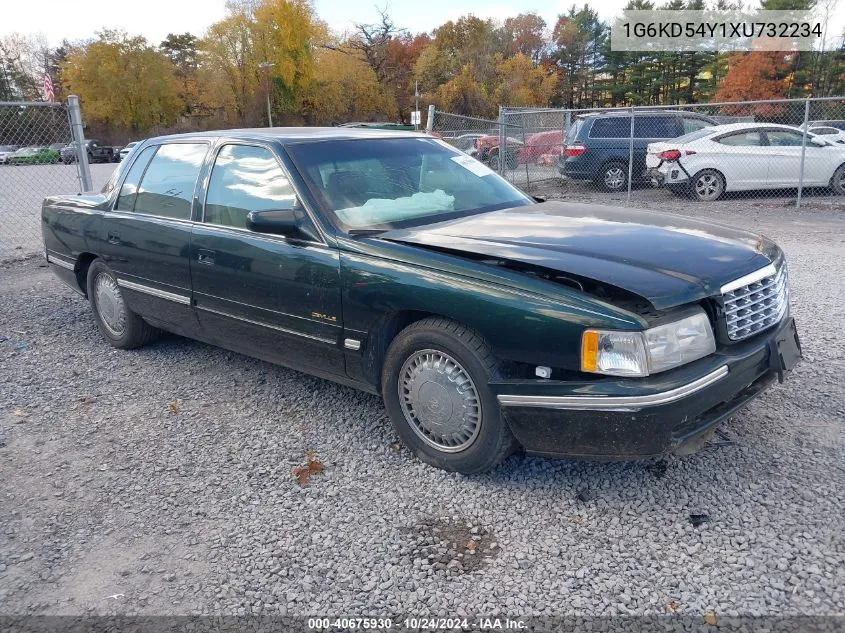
x: 206, y: 257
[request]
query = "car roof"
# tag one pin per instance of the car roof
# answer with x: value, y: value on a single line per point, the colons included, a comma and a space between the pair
x: 290, y: 135
x: 730, y: 127
x: 627, y: 113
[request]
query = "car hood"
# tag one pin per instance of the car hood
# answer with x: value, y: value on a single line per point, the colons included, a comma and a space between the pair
x: 667, y: 259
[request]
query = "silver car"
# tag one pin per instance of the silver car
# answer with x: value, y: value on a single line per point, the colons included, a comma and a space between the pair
x: 5, y: 152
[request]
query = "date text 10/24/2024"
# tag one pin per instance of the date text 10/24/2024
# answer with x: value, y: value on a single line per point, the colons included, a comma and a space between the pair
x: 415, y: 624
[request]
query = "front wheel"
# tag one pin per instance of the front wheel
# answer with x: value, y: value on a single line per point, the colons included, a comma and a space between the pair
x: 494, y: 162
x: 435, y: 388
x: 708, y: 185
x: 121, y: 327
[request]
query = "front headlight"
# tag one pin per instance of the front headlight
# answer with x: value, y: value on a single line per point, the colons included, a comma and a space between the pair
x: 643, y: 353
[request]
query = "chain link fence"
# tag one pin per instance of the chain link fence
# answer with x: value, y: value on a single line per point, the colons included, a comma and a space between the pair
x: 789, y: 150
x: 39, y: 156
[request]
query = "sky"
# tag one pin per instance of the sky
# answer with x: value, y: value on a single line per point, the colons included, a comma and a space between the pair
x: 154, y: 19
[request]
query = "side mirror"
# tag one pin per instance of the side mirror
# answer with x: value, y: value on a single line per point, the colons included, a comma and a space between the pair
x: 539, y: 198
x: 818, y: 142
x: 291, y: 223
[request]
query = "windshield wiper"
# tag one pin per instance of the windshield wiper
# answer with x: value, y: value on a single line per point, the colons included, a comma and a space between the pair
x: 366, y: 232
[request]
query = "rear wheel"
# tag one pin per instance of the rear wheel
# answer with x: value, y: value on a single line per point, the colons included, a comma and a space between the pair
x: 435, y: 387
x: 494, y: 162
x: 614, y: 176
x: 708, y: 185
x: 838, y: 181
x: 121, y: 327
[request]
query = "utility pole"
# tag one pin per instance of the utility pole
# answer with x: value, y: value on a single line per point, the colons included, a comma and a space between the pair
x: 417, y: 104
x: 266, y: 66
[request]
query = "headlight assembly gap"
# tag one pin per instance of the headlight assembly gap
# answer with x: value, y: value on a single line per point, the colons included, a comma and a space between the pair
x: 652, y: 351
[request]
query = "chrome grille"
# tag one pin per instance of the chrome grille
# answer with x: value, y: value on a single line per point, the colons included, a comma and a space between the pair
x: 759, y: 302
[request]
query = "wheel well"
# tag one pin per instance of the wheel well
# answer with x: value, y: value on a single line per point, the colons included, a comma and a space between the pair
x: 82, y: 264
x: 381, y: 335
x: 718, y: 171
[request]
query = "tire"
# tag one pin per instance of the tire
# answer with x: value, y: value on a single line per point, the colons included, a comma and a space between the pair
x: 451, y: 365
x: 121, y: 327
x: 512, y: 161
x: 708, y: 185
x: 837, y: 183
x: 493, y: 161
x: 613, y: 176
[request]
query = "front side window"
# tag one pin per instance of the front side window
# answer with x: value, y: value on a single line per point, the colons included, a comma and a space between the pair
x: 742, y: 139
x: 393, y: 182
x: 167, y: 187
x: 129, y: 189
x: 785, y: 138
x: 244, y: 179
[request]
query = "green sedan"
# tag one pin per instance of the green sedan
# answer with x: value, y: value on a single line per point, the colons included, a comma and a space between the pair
x: 488, y: 321
x: 34, y: 156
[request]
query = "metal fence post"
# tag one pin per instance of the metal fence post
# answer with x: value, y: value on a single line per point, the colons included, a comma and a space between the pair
x: 803, y: 152
x: 631, y: 155
x: 502, y: 135
x: 429, y: 122
x: 79, y: 141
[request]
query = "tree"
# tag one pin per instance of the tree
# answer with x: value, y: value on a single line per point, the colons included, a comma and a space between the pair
x: 345, y: 88
x: 464, y: 95
x: 525, y: 34
x: 757, y: 75
x: 123, y: 81
x: 520, y: 83
x: 183, y: 51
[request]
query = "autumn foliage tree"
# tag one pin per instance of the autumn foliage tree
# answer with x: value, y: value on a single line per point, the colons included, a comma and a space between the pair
x: 754, y: 76
x: 123, y: 81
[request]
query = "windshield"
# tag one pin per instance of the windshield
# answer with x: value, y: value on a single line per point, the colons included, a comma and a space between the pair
x: 395, y: 182
x: 7, y: 148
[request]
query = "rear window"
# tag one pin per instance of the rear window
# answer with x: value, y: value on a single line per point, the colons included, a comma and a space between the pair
x: 692, y: 136
x: 572, y: 134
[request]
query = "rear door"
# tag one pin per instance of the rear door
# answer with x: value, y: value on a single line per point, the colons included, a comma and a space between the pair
x: 264, y: 295
x: 146, y: 235
x: 742, y: 157
x: 650, y: 129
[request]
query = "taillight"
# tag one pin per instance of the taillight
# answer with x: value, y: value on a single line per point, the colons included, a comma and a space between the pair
x: 674, y: 154
x: 669, y: 154
x: 574, y: 150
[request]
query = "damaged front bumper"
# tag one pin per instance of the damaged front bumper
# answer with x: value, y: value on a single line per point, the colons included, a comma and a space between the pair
x: 673, y: 412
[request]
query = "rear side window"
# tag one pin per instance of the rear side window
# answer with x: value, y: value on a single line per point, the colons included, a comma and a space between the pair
x: 611, y: 127
x: 742, y: 139
x: 655, y: 127
x: 245, y: 178
x: 824, y: 131
x: 167, y: 187
x: 129, y: 190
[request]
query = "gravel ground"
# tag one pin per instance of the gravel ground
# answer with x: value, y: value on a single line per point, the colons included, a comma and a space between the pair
x: 161, y: 481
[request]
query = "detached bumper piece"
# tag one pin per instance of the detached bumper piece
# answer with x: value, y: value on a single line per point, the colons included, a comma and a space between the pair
x: 635, y: 418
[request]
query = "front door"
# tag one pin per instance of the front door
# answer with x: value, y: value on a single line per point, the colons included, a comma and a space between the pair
x: 146, y: 235
x: 264, y: 295
x: 785, y: 162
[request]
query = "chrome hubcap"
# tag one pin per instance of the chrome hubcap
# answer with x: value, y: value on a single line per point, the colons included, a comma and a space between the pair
x: 440, y: 401
x: 614, y: 178
x: 109, y: 304
x: 707, y: 186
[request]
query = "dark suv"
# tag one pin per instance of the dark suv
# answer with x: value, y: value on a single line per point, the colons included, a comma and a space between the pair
x: 597, y: 145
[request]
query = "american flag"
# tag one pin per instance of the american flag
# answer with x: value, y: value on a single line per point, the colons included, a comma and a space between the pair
x: 49, y: 95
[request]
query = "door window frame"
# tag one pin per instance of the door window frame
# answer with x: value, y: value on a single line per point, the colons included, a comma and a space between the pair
x: 761, y: 133
x: 268, y: 147
x: 113, y: 204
